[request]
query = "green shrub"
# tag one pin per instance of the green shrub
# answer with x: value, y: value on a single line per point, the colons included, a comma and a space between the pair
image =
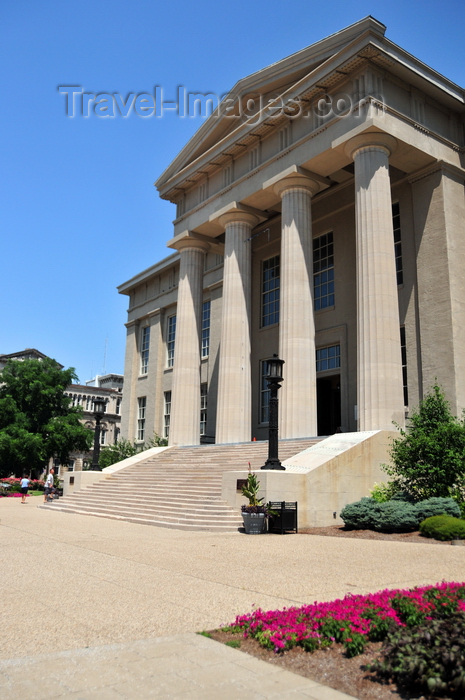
x: 404, y: 496
x: 429, y: 658
x: 443, y: 527
x: 359, y: 515
x: 395, y: 515
x: 428, y: 457
x: 392, y: 516
x: 382, y: 492
x: 437, y: 506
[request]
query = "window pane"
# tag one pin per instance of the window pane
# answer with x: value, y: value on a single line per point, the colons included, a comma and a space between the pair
x: 167, y: 415
x: 141, y: 405
x: 170, y: 340
x: 323, y: 272
x: 270, y: 291
x: 397, y: 241
x: 328, y: 358
x: 144, y: 349
x: 206, y: 328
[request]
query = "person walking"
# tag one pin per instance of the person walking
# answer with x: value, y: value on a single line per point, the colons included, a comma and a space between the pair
x: 48, y: 486
x: 25, y: 481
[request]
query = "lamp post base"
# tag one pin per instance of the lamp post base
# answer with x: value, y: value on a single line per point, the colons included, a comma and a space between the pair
x: 273, y: 463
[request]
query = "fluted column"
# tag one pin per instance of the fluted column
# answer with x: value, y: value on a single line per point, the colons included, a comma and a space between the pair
x: 234, y: 408
x: 297, y: 401
x: 379, y: 363
x: 185, y: 397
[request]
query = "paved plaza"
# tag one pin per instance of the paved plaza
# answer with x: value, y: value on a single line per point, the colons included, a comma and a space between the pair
x: 96, y: 608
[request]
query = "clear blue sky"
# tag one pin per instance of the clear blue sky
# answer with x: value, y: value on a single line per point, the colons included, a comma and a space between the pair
x: 79, y: 214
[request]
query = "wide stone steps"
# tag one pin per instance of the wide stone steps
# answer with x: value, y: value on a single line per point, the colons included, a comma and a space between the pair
x: 160, y: 503
x: 179, y: 488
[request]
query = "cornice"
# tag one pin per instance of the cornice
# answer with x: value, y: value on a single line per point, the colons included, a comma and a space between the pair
x: 368, y: 45
x: 145, y: 275
x: 440, y: 165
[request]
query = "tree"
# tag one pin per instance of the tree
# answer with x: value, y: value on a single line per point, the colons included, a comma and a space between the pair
x: 37, y: 421
x: 429, y: 458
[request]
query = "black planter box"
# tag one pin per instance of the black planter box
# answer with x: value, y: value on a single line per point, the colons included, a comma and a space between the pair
x: 286, y: 517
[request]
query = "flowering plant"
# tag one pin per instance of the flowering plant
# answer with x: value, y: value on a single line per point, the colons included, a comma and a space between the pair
x: 352, y: 621
x: 250, y: 490
x: 14, y: 485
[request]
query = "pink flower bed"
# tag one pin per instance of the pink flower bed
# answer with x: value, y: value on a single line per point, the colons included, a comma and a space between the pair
x: 15, y: 485
x: 353, y: 620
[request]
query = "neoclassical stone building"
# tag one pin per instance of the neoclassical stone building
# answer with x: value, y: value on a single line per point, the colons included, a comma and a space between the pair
x: 108, y: 387
x: 320, y: 215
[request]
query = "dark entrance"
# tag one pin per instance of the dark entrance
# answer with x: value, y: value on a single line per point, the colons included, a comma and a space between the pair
x: 328, y: 391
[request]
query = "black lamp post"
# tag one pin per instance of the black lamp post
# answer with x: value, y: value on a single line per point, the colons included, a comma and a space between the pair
x: 274, y: 379
x: 99, y: 410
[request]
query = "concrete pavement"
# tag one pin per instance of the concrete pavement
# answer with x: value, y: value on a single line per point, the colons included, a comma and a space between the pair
x: 112, y: 607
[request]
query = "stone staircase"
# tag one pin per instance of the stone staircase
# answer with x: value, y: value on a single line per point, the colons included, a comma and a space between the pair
x: 179, y: 488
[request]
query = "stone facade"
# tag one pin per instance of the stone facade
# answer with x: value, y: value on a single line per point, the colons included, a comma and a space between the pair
x: 108, y: 387
x: 327, y: 226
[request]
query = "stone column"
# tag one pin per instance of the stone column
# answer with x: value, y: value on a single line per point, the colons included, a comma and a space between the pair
x: 379, y: 364
x: 185, y: 398
x: 234, y: 408
x: 297, y: 401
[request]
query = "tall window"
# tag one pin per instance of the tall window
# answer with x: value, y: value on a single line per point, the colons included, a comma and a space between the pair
x: 103, y: 436
x: 141, y: 406
x: 328, y: 358
x: 397, y: 242
x: 144, y: 349
x: 270, y: 291
x: 203, y: 409
x: 403, y: 349
x: 264, y: 393
x: 323, y: 271
x: 118, y: 406
x: 167, y: 415
x: 171, y: 335
x: 206, y: 328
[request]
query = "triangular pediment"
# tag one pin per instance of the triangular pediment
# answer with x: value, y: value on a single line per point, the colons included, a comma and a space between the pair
x: 276, y: 79
x: 310, y: 71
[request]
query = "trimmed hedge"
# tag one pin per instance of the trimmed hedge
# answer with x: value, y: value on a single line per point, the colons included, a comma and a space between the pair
x: 443, y: 527
x: 394, y: 515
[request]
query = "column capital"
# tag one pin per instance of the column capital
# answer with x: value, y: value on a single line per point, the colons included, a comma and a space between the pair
x: 190, y: 239
x: 371, y: 139
x: 297, y: 182
x: 238, y: 215
x: 296, y: 178
x: 238, y: 212
x: 192, y: 244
